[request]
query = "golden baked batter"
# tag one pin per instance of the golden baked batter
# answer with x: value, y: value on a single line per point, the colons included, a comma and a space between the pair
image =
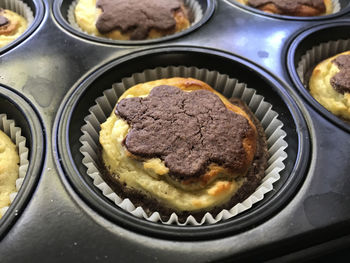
x: 13, y: 29
x: 86, y: 15
x: 322, y: 90
x: 9, y: 165
x: 150, y: 176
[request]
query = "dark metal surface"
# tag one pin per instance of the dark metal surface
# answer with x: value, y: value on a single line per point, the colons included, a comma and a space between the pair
x: 58, y: 225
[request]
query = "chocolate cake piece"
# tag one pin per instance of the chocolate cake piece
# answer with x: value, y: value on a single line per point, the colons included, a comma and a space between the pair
x: 341, y: 81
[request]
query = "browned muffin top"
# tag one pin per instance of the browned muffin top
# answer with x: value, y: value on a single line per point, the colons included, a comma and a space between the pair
x: 290, y: 6
x: 188, y: 130
x: 341, y: 81
x: 137, y: 16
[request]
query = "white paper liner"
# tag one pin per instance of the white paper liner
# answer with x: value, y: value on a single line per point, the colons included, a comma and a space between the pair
x: 335, y: 3
x: 20, y: 8
x: 14, y: 132
x: 222, y: 83
x: 336, y: 6
x: 192, y: 5
x: 317, y: 54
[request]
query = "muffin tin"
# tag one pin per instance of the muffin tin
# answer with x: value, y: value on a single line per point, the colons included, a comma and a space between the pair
x: 52, y: 78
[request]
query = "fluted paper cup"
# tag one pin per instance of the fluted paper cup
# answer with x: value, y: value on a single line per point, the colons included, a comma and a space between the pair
x: 14, y: 133
x: 229, y: 87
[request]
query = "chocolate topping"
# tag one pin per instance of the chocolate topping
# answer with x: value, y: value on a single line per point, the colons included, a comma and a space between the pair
x: 188, y: 130
x: 136, y: 16
x: 341, y: 81
x: 342, y: 61
x: 3, y: 20
x: 289, y: 6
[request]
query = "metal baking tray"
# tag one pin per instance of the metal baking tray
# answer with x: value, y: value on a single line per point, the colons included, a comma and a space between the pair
x: 52, y: 75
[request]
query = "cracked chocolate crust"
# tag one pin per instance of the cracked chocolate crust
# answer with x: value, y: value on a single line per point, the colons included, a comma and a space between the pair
x: 150, y: 204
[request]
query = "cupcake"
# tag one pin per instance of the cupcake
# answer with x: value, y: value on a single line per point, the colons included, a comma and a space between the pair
x: 257, y: 183
x: 12, y: 25
x: 292, y: 7
x: 330, y: 84
x: 131, y: 19
x: 177, y: 146
x: 9, y: 169
x: 13, y: 161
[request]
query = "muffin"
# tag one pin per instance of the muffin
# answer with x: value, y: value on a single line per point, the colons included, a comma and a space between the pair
x: 12, y: 25
x: 177, y: 145
x: 131, y: 19
x: 9, y: 169
x: 330, y: 84
x: 292, y: 7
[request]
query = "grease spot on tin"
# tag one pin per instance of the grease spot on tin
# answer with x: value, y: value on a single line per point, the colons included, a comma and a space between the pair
x: 41, y: 89
x: 263, y: 54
